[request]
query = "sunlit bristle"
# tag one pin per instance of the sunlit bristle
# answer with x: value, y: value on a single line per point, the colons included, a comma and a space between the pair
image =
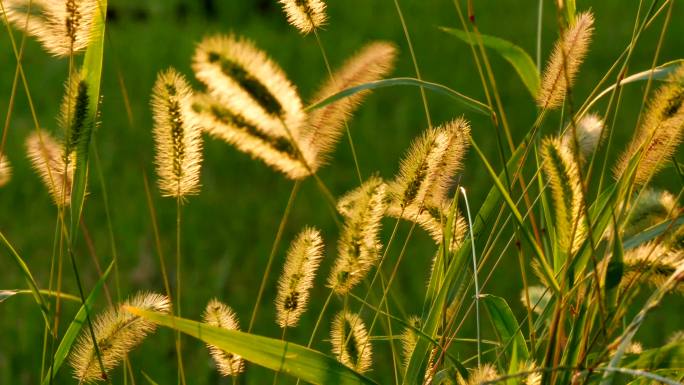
x: 177, y: 136
x: 652, y: 263
x: 117, y: 332
x: 48, y: 157
x: 589, y: 130
x: 305, y: 15
x: 326, y: 125
x: 350, y: 343
x: 220, y: 315
x: 566, y: 58
x: 427, y: 172
x: 660, y: 133
x: 359, y: 246
x: 299, y: 272
x: 75, y: 116
x: 5, y: 170
x: 63, y: 27
x: 566, y: 188
x: 244, y: 80
x: 247, y: 136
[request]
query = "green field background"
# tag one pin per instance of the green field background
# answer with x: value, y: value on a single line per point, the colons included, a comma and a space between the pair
x: 229, y: 228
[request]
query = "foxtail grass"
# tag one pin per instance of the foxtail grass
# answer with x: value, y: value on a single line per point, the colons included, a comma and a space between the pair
x: 5, y: 170
x: 305, y: 15
x: 350, y: 342
x: 220, y: 315
x: 47, y: 157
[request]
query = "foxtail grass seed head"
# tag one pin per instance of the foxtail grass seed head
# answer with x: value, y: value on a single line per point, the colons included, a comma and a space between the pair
x: 63, y: 27
x: 177, y: 136
x: 326, y: 124
x: 652, y: 263
x: 350, y: 343
x: 427, y: 172
x: 409, y: 339
x: 566, y: 190
x: 298, y: 275
x: 566, y: 58
x: 305, y: 15
x: 588, y: 130
x: 117, y: 333
x: 247, y: 136
x: 5, y: 170
x: 75, y: 117
x: 222, y: 316
x: 650, y: 208
x: 244, y: 80
x: 660, y: 133
x: 48, y: 159
x: 359, y: 246
x: 481, y: 375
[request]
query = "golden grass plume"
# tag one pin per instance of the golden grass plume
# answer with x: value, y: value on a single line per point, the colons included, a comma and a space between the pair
x: 650, y: 208
x: 117, y: 332
x: 350, y: 342
x: 481, y: 375
x: 177, y: 136
x: 5, y: 170
x: 48, y: 157
x: 305, y: 15
x: 652, y: 263
x: 589, y: 130
x: 409, y: 339
x: 566, y: 58
x: 303, y: 259
x: 222, y: 316
x: 75, y: 117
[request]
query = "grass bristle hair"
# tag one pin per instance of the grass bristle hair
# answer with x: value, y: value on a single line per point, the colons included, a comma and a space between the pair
x: 326, y: 124
x: 220, y: 315
x: 63, y: 27
x: 5, y: 170
x: 566, y: 190
x: 359, y: 246
x: 660, y: 133
x: 305, y: 15
x: 177, y: 136
x: 350, y: 343
x: 117, y: 332
x: 75, y: 117
x: 244, y: 80
x: 47, y: 157
x: 303, y: 259
x: 566, y: 58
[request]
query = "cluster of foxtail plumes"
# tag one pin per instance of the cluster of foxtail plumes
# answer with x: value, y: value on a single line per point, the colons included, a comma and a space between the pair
x: 350, y: 342
x: 5, y: 170
x: 305, y: 15
x: 63, y: 27
x: 222, y: 316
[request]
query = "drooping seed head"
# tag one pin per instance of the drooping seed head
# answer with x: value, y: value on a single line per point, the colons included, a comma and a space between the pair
x: 350, y: 343
x: 177, y: 136
x: 63, y: 27
x: 5, y: 170
x: 49, y: 159
x: 305, y: 15
x: 588, y: 130
x: 566, y: 58
x: 303, y: 259
x: 222, y: 316
x: 117, y: 332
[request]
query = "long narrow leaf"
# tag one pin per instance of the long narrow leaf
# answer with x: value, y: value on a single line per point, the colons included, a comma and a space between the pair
x: 506, y: 326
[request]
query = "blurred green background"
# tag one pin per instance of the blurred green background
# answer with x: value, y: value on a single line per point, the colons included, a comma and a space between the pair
x: 229, y: 228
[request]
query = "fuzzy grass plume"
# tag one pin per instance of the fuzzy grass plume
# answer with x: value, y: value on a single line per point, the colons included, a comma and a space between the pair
x: 117, y: 332
x: 299, y: 272
x: 177, y: 136
x: 326, y: 124
x: 63, y: 27
x: 75, y: 118
x: 660, y: 133
x: 566, y: 189
x: 589, y: 130
x: 47, y: 157
x: 432, y: 220
x: 246, y: 82
x: 358, y: 247
x: 652, y: 263
x: 5, y: 170
x: 350, y: 342
x: 220, y: 315
x: 568, y: 53
x: 305, y: 15
x: 409, y: 339
x: 650, y: 208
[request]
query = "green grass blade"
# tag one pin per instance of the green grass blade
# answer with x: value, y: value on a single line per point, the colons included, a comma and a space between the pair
x: 466, y: 101
x: 296, y: 360
x: 6, y: 294
x: 516, y: 56
x: 570, y: 10
x: 507, y: 327
x: 75, y: 327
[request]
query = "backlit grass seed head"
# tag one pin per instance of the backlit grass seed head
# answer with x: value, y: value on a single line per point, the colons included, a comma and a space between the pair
x: 589, y: 130
x: 409, y: 339
x: 325, y: 125
x: 650, y: 208
x: 660, y: 133
x: 243, y: 79
x: 5, y: 170
x: 228, y: 125
x: 566, y: 190
x: 305, y: 15
x: 350, y: 343
x: 222, y: 316
x: 47, y: 157
x: 481, y: 375
x: 177, y: 136
x: 303, y: 259
x: 359, y: 246
x: 117, y: 333
x: 427, y: 172
x: 63, y: 27
x: 75, y: 117
x: 568, y: 53
x: 652, y: 263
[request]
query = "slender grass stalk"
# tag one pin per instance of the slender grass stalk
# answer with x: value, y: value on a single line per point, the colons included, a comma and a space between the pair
x: 477, y: 286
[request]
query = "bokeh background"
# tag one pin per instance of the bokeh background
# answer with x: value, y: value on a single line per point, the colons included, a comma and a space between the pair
x: 229, y: 228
